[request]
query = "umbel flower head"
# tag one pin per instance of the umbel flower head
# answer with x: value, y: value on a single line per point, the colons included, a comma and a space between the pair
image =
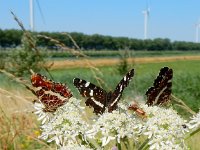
x: 164, y: 128
x: 116, y: 126
x: 42, y: 116
x: 66, y: 124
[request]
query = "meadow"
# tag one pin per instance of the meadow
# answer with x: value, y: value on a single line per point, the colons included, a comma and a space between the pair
x: 20, y: 128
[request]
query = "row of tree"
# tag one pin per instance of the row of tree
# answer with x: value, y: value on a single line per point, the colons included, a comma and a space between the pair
x: 12, y: 38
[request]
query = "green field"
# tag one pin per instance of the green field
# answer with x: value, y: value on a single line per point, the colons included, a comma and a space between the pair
x: 186, y: 86
x: 107, y: 53
x: 185, y: 81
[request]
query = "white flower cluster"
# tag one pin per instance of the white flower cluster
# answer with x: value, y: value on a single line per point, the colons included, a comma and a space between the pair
x: 42, y: 116
x: 74, y: 146
x: 164, y: 128
x: 116, y: 126
x: 66, y: 124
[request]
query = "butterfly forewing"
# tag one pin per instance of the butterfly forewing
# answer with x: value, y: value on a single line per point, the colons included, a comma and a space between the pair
x: 160, y: 92
x: 96, y: 96
x: 116, y: 95
x: 51, y: 94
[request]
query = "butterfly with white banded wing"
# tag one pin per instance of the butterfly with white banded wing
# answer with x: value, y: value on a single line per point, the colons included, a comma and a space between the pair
x: 98, y: 98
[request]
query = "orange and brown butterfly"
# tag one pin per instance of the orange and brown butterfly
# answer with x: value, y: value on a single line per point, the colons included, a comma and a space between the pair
x: 134, y: 106
x: 51, y: 94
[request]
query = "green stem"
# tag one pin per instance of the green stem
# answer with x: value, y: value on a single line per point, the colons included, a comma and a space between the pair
x: 89, y: 142
x: 126, y: 142
x: 193, y: 133
x: 119, y: 146
x: 144, y: 145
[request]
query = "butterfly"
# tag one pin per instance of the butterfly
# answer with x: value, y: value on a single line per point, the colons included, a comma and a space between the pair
x: 160, y: 92
x: 98, y: 98
x: 51, y: 94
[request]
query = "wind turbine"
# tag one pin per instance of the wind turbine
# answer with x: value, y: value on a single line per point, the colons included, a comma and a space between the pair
x: 146, y: 16
x: 32, y: 21
x: 31, y: 15
x: 197, y: 25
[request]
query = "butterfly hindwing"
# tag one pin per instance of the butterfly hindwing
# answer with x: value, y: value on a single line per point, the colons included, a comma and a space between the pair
x: 160, y: 92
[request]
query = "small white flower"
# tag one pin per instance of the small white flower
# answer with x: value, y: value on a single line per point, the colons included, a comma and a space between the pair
x: 122, y: 106
x: 115, y: 126
x: 106, y: 140
x: 74, y: 146
x: 195, y: 121
x: 164, y: 128
x: 42, y: 116
x: 66, y: 123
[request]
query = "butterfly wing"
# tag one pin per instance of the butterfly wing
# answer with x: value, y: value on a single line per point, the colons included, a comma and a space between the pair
x: 116, y: 95
x: 96, y: 96
x: 161, y: 90
x: 51, y: 94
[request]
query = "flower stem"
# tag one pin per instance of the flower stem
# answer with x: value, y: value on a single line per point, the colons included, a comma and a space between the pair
x: 193, y: 133
x: 119, y: 146
x: 144, y: 145
x: 88, y: 142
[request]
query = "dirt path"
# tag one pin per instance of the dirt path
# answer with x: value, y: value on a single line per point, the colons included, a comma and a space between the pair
x: 114, y: 61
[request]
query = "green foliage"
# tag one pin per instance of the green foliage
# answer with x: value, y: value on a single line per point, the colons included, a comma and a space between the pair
x: 12, y: 38
x: 123, y: 65
x: 24, y: 59
x: 3, y: 57
x: 110, y: 53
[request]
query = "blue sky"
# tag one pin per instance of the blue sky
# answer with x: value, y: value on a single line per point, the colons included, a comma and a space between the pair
x: 173, y: 19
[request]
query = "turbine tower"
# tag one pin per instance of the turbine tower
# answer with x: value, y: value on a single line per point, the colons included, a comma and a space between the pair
x: 31, y: 15
x: 32, y: 18
x: 146, y: 16
x: 197, y: 25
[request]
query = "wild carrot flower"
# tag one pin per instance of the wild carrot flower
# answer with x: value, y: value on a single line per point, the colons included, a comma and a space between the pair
x: 66, y: 125
x: 164, y: 128
x: 116, y: 126
x: 42, y: 116
x: 74, y: 146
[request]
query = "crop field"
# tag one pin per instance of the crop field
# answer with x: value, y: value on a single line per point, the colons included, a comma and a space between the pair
x: 20, y: 128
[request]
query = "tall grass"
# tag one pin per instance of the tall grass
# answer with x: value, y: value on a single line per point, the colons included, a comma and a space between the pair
x: 19, y: 127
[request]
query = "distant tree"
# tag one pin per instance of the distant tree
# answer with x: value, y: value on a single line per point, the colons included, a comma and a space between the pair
x: 12, y: 38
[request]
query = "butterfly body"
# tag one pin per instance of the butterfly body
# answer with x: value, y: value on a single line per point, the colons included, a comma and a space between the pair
x: 98, y: 98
